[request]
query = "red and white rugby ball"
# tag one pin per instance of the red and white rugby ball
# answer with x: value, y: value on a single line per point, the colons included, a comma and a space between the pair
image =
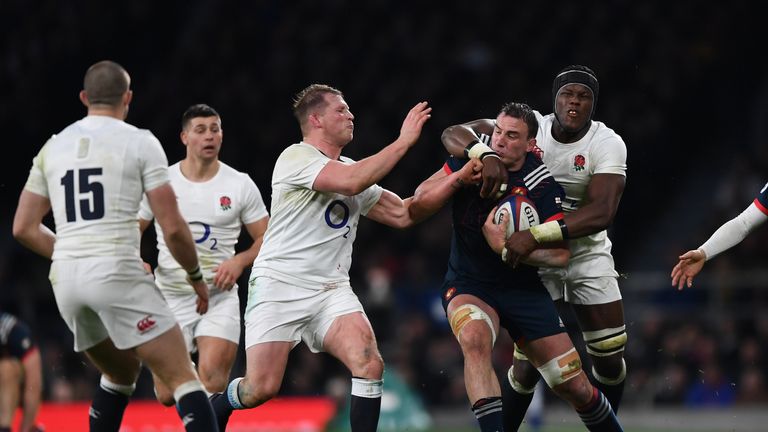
x: 521, y: 212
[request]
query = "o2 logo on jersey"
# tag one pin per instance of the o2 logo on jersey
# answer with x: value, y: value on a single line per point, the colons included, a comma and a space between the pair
x: 339, y: 211
x: 205, y: 235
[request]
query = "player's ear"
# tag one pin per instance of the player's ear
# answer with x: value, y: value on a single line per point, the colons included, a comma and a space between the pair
x: 84, y: 97
x: 531, y: 144
x: 127, y: 97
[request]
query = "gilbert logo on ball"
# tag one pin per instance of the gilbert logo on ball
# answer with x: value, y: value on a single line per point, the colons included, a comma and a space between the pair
x: 520, y: 211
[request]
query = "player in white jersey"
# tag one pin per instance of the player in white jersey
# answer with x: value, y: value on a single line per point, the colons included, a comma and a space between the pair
x: 589, y: 160
x: 727, y: 236
x: 92, y: 177
x: 299, y: 288
x: 217, y: 201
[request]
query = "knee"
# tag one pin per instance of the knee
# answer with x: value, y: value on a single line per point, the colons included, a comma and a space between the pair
x: 368, y: 364
x: 475, y: 340
x: 254, y: 391
x: 165, y: 397
x: 213, y: 379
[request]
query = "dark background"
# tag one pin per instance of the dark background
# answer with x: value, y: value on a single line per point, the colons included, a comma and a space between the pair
x: 684, y: 84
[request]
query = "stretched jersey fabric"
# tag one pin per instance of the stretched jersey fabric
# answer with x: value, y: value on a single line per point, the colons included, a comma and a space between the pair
x: 471, y: 258
x: 94, y: 173
x: 309, y: 239
x: 215, y: 211
x: 600, y: 151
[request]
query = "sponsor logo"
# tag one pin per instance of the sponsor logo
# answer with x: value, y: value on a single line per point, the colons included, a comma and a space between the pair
x: 578, y: 162
x: 189, y: 418
x: 145, y: 324
x: 519, y: 190
x: 225, y: 202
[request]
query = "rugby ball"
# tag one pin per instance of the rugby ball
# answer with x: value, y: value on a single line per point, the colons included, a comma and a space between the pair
x: 521, y: 212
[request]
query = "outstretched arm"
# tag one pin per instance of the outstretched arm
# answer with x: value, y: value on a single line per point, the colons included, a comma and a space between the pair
x: 727, y: 236
x: 462, y: 141
x: 430, y: 196
x: 351, y: 179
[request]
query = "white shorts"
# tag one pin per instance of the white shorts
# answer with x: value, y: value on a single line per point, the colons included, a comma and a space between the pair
x: 281, y: 312
x: 222, y: 319
x: 590, y: 277
x: 109, y: 297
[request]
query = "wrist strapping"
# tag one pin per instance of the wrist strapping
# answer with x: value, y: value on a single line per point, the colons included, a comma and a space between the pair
x: 504, y: 254
x: 547, y: 232
x: 195, y: 275
x: 479, y: 150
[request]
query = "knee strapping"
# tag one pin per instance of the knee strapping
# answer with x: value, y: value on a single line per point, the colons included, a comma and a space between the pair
x: 519, y: 354
x: 611, y: 381
x: 561, y: 369
x: 605, y: 342
x: 516, y: 384
x: 465, y: 313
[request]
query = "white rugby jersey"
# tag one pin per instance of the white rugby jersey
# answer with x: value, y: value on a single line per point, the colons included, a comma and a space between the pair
x: 95, y: 172
x: 309, y: 239
x: 215, y: 210
x: 600, y: 151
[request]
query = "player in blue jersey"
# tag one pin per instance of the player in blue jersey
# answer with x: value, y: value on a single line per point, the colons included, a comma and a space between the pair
x: 727, y: 236
x: 21, y: 376
x: 589, y: 160
x: 482, y: 293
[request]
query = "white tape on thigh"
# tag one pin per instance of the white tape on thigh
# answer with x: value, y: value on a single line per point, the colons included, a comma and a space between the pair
x: 561, y: 368
x: 465, y: 313
x: 605, y: 342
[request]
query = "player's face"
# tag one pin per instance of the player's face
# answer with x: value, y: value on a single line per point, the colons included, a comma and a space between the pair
x: 510, y: 140
x: 337, y: 120
x: 574, y: 106
x: 203, y: 137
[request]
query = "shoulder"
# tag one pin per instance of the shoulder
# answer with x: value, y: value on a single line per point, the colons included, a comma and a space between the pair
x: 607, y: 136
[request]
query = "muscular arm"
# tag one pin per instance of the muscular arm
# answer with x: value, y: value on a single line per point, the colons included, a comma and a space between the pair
x: 351, y: 179
x: 230, y: 270
x: 596, y: 214
x: 178, y: 238
x: 456, y: 138
x: 430, y: 196
x: 551, y: 255
x: 28, y: 226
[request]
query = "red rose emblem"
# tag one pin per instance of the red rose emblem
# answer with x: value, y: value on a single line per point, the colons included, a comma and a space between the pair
x: 578, y: 162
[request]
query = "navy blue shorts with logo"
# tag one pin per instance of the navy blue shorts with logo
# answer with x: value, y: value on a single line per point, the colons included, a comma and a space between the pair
x: 15, y: 338
x: 525, y: 313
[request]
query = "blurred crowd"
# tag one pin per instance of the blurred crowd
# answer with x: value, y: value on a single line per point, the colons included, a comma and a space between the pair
x: 693, y: 127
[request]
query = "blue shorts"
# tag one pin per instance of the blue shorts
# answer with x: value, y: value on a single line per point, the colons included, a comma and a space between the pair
x: 18, y: 342
x: 527, y: 314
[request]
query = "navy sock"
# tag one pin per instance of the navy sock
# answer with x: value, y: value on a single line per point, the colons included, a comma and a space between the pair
x: 196, y: 412
x: 613, y: 393
x: 515, y: 406
x: 365, y: 404
x: 598, y: 415
x: 221, y: 408
x: 489, y: 414
x: 106, y: 411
